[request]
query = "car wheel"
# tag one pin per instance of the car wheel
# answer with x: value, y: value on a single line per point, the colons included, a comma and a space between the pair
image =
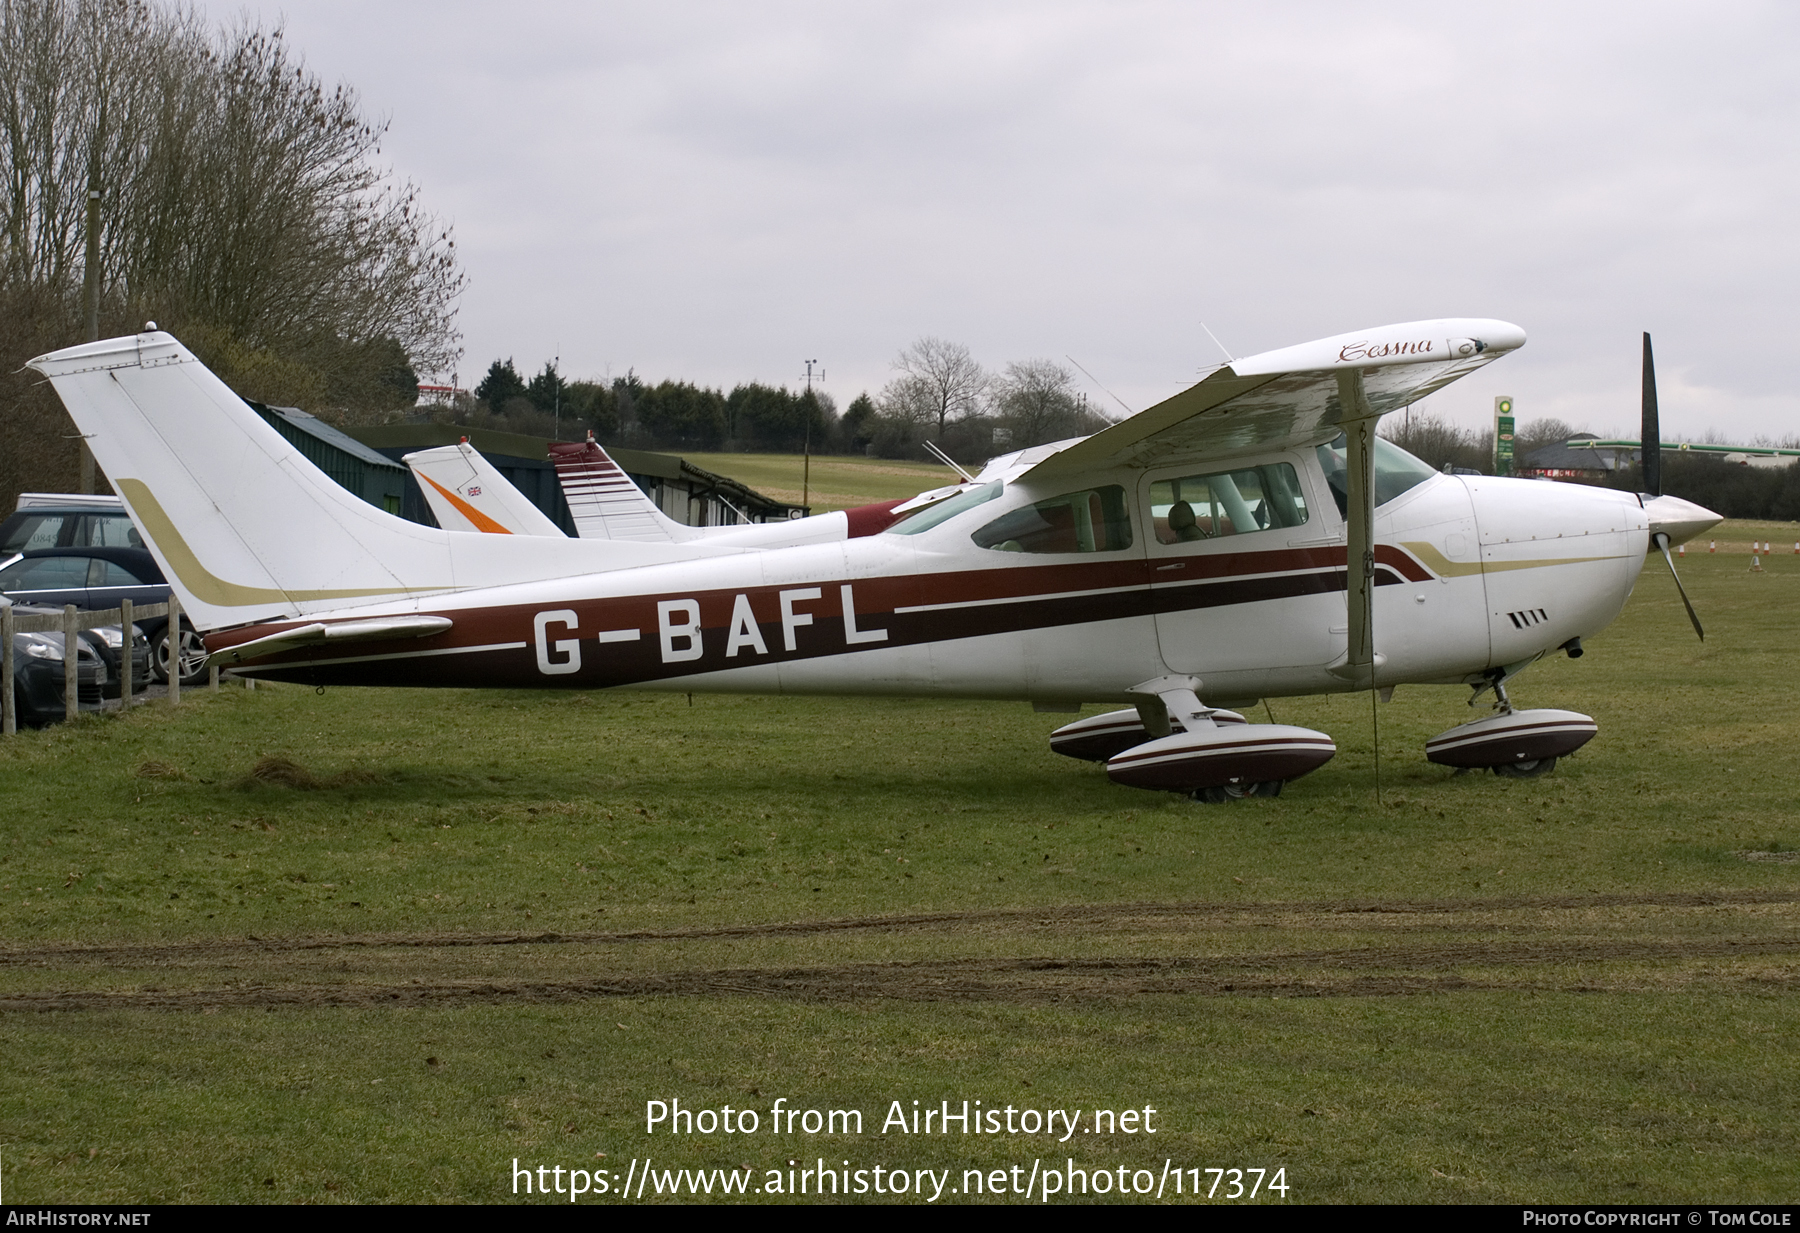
x: 192, y: 653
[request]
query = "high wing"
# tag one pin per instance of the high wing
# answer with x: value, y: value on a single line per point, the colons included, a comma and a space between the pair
x: 1291, y: 397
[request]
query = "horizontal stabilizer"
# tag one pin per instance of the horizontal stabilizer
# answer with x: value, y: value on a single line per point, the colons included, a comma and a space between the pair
x: 343, y: 631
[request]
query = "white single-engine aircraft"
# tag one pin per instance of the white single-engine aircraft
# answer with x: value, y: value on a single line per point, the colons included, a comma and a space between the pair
x: 1196, y: 550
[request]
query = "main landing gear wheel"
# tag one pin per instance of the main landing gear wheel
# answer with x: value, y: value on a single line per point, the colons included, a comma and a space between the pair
x: 1535, y: 768
x: 1237, y: 792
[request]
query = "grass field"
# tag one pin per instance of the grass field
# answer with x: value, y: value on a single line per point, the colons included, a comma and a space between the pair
x: 377, y: 946
x: 827, y: 481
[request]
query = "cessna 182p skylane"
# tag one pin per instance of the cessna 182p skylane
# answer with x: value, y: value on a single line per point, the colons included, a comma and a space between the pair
x: 1197, y: 549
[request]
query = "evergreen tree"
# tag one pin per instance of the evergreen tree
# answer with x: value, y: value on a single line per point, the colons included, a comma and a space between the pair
x: 546, y: 389
x: 501, y: 385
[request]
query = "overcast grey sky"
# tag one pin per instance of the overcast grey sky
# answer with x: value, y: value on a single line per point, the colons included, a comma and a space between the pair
x: 720, y: 191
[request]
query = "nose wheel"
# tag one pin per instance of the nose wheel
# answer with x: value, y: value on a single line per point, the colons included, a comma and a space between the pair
x: 1237, y: 792
x: 1535, y: 768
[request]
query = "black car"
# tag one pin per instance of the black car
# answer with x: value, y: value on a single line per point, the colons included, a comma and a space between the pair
x: 38, y: 668
x: 94, y: 578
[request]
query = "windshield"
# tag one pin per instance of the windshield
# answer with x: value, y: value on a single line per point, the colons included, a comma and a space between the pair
x: 1396, y: 471
x: 943, y: 511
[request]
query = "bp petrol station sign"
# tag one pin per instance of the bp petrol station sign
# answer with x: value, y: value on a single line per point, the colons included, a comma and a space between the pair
x: 1503, y: 436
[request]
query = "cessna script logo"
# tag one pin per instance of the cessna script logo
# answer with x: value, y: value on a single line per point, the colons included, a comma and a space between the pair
x: 1351, y: 352
x: 1421, y: 349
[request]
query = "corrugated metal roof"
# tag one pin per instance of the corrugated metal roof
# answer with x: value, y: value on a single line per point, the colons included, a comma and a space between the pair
x: 314, y: 426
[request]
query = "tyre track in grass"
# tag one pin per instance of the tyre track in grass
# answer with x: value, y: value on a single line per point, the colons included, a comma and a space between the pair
x: 57, y: 954
x: 1386, y: 971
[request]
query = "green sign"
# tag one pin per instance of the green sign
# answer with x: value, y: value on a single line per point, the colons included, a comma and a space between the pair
x: 1503, y: 436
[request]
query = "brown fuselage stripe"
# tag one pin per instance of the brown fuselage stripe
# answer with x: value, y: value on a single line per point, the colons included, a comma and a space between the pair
x: 1000, y: 601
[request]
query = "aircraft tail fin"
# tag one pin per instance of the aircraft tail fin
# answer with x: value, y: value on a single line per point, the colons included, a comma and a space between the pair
x: 466, y: 492
x: 245, y: 528
x: 605, y: 502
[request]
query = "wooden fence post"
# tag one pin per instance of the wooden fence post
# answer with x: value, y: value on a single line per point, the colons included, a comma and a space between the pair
x: 9, y: 720
x: 71, y: 657
x: 125, y: 675
x: 212, y: 677
x: 174, y: 641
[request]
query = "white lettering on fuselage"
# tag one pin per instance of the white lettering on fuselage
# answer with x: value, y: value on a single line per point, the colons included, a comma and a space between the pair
x: 791, y: 620
x: 687, y: 631
x: 852, y: 634
x: 744, y: 632
x: 568, y: 648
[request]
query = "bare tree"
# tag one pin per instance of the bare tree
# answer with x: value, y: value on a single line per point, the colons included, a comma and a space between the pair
x: 1539, y: 433
x: 1439, y: 443
x: 1037, y: 402
x: 939, y: 383
x: 242, y: 203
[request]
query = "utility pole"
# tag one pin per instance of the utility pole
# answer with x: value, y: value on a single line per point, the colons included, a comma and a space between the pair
x: 806, y: 449
x: 556, y: 371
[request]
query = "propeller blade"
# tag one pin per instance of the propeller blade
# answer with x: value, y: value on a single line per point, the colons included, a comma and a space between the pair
x: 1650, y: 439
x: 1662, y: 541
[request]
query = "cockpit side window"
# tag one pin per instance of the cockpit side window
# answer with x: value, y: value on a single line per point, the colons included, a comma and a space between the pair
x: 1197, y: 507
x: 1092, y: 520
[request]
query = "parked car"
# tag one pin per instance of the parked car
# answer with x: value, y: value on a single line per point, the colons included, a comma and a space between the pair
x: 58, y: 520
x: 38, y: 668
x: 94, y: 578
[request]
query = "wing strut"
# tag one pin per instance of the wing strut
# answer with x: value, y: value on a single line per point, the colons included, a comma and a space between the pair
x: 1359, y: 528
x: 1359, y: 546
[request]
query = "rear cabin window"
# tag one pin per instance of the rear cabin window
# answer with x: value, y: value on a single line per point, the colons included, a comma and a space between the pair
x: 1092, y: 520
x: 1197, y: 507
